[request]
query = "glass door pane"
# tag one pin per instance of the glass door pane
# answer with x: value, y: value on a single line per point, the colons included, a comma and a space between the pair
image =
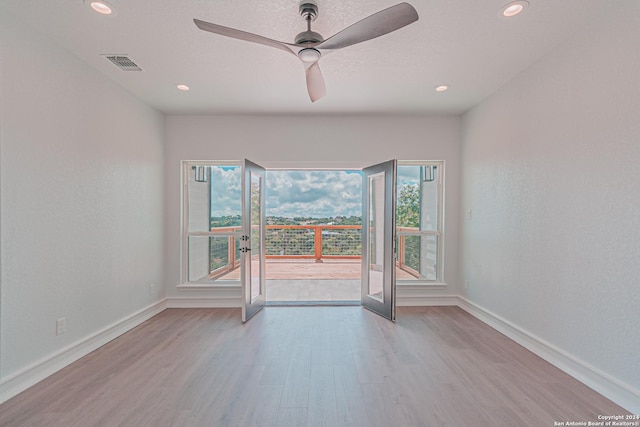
x: 378, y: 238
x: 252, y: 240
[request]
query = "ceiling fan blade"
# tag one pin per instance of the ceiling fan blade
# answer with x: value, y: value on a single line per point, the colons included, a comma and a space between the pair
x: 315, y: 82
x: 243, y: 35
x: 373, y: 26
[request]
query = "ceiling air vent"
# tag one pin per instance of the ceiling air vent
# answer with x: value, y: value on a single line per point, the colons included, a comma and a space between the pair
x: 123, y: 62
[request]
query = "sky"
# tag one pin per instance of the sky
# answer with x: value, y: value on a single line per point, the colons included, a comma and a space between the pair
x: 315, y: 194
x: 226, y: 191
x: 299, y: 193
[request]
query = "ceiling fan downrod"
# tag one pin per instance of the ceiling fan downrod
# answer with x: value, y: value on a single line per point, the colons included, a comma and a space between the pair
x: 309, y: 11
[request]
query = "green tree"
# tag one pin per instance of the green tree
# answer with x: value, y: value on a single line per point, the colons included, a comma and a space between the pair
x: 408, y: 206
x: 408, y: 215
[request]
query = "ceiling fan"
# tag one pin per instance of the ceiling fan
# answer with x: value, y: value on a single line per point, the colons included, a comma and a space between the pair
x: 309, y: 46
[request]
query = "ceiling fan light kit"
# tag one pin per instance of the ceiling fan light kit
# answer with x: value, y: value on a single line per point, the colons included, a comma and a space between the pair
x: 309, y: 46
x: 309, y: 55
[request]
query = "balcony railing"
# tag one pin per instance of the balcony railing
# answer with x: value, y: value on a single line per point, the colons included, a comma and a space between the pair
x: 313, y: 241
x: 316, y: 242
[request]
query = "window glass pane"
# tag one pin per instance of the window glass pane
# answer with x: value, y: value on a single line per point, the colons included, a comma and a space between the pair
x: 417, y: 257
x: 408, y: 198
x: 376, y: 236
x: 256, y: 235
x: 417, y: 199
x: 213, y: 258
x: 429, y: 199
x: 198, y: 258
x: 199, y: 202
x: 226, y: 196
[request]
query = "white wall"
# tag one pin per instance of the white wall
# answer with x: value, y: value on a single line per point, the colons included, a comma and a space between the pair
x: 552, y: 175
x: 310, y: 141
x: 81, y: 219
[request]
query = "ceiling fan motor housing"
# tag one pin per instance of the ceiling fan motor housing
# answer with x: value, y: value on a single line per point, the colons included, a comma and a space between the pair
x: 308, y: 37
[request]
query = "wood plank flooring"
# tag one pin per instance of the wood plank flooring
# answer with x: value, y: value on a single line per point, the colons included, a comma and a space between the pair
x: 308, y: 366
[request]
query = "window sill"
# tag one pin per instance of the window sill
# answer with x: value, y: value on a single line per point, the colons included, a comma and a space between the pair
x: 420, y: 284
x: 207, y: 286
x: 221, y: 286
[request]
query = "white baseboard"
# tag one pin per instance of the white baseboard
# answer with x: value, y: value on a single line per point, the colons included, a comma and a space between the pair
x: 613, y: 389
x: 25, y: 378
x: 409, y: 300
x: 204, y: 302
x: 420, y: 300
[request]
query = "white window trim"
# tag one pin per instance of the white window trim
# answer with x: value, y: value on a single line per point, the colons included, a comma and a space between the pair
x: 440, y: 280
x: 186, y: 166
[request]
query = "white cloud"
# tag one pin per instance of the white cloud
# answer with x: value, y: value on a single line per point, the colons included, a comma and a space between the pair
x: 408, y: 175
x: 300, y: 193
x: 314, y: 193
x: 226, y: 191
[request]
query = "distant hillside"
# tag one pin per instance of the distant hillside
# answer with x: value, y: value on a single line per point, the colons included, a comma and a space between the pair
x: 236, y: 221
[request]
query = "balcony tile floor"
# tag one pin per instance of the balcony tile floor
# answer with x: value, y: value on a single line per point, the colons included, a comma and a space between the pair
x: 309, y: 281
x: 301, y: 290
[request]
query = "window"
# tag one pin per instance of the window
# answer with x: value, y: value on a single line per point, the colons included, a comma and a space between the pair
x: 212, y: 214
x: 419, y: 222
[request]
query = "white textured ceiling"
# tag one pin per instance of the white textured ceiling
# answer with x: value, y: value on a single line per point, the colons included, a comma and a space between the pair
x: 463, y: 43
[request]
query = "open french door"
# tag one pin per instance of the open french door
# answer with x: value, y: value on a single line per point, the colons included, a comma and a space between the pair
x: 252, y: 239
x: 378, y: 238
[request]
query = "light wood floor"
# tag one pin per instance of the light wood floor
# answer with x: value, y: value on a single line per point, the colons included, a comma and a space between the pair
x: 308, y: 366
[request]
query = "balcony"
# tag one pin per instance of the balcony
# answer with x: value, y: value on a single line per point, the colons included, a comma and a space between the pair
x: 307, y: 262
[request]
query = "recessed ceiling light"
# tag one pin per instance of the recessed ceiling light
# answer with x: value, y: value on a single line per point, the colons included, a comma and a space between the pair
x: 183, y: 87
x: 441, y: 88
x: 100, y: 6
x: 514, y: 8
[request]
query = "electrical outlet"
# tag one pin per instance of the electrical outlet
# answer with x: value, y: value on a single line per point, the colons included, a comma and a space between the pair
x: 468, y: 215
x: 152, y: 289
x: 466, y: 284
x: 61, y: 326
